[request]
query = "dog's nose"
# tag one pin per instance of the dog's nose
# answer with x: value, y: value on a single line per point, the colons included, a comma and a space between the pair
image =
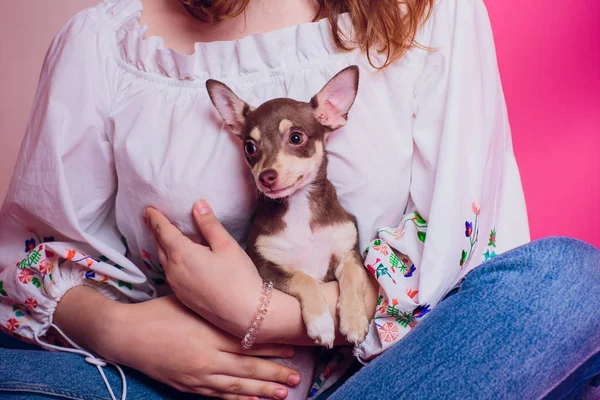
x: 268, y: 177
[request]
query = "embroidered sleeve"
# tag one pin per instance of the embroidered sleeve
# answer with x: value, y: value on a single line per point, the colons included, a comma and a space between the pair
x: 466, y: 202
x: 57, y: 224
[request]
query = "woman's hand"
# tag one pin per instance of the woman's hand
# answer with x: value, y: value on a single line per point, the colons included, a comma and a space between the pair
x: 219, y: 282
x: 166, y: 341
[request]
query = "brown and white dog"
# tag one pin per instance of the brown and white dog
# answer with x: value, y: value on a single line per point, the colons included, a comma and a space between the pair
x: 301, y: 235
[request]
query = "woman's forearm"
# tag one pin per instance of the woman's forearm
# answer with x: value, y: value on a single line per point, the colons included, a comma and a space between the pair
x: 284, y: 324
x: 86, y: 316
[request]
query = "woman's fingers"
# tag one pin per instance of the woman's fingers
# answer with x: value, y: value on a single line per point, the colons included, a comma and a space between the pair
x: 257, y: 368
x: 162, y: 255
x: 167, y: 234
x: 247, y: 387
x: 211, y: 229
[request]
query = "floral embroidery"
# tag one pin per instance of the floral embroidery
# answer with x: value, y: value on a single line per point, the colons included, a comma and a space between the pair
x: 91, y: 274
x: 421, y: 311
x: 409, y: 271
x: 12, y: 324
x: 406, y: 320
x: 2, y: 291
x: 388, y: 332
x: 46, y: 267
x: 380, y: 271
x: 25, y: 276
x: 31, y: 303
x: 394, y: 261
x: 382, y: 248
x: 492, y: 241
x: 20, y: 311
x: 31, y: 243
x: 471, y: 232
x: 469, y: 229
x: 491, y: 252
x: 109, y: 262
x: 32, y: 258
x: 412, y: 293
x: 417, y: 220
x: 382, y: 304
x: 126, y: 284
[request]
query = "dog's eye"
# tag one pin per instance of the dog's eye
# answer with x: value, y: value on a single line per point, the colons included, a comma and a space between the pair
x: 296, y: 138
x: 250, y: 148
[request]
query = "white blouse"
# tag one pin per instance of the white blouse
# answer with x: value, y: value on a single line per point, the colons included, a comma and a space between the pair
x: 120, y: 123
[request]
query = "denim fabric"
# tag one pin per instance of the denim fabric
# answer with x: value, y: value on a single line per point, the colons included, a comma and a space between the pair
x: 524, y: 325
x: 39, y: 374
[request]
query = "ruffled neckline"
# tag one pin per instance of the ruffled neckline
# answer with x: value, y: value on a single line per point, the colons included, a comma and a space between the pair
x: 266, y: 53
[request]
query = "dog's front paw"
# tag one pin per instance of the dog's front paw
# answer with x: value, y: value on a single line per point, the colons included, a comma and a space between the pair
x: 354, y: 326
x: 322, y: 330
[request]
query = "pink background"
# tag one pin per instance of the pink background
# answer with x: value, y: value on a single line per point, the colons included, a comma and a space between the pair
x: 549, y: 56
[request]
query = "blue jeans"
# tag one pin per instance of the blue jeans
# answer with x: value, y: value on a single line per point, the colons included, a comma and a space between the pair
x: 524, y: 325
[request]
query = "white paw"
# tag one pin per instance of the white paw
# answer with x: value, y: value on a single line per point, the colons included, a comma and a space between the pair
x: 322, y: 330
x: 354, y: 326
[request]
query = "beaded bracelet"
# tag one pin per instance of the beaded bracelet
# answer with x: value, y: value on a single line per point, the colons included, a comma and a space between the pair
x: 259, y: 315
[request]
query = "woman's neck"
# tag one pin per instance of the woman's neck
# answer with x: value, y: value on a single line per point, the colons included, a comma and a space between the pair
x: 169, y: 19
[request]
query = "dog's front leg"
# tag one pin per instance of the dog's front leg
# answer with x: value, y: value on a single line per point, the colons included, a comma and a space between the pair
x: 315, y: 311
x: 353, y: 281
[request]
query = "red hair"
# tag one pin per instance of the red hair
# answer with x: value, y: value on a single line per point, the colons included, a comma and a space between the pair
x: 387, y: 26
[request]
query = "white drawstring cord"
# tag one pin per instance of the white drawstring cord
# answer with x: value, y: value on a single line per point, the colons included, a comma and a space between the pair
x: 89, y: 358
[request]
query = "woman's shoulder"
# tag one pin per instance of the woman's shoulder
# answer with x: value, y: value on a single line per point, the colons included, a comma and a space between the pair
x: 84, y: 30
x: 84, y: 49
x: 100, y: 22
x: 448, y: 18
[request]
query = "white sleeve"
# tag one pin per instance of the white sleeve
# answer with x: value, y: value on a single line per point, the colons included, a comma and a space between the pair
x: 57, y: 224
x: 466, y: 202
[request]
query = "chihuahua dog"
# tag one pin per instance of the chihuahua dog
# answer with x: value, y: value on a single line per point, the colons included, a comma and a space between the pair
x: 301, y: 235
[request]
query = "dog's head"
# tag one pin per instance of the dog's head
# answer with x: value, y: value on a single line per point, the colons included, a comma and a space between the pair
x: 284, y: 139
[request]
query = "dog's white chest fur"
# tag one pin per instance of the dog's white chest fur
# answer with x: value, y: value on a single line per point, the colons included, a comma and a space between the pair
x: 299, y: 247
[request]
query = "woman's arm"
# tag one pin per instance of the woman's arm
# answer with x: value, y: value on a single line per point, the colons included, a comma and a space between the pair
x: 284, y: 323
x: 88, y: 318
x: 195, y: 357
x: 57, y: 225
x: 221, y: 283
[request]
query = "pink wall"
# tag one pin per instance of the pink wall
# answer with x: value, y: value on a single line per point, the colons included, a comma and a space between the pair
x: 549, y: 55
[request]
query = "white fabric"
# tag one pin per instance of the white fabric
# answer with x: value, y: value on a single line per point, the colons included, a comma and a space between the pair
x: 121, y: 123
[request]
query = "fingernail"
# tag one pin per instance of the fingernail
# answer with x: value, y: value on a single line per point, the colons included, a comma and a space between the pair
x: 202, y: 207
x: 293, y: 380
x: 280, y: 394
x: 145, y: 213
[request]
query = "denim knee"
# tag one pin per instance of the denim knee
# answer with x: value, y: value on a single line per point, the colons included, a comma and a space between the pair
x: 565, y: 244
x: 560, y: 264
x: 565, y: 254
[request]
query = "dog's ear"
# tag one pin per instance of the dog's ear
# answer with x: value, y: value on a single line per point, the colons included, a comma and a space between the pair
x: 332, y: 103
x: 232, y: 109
